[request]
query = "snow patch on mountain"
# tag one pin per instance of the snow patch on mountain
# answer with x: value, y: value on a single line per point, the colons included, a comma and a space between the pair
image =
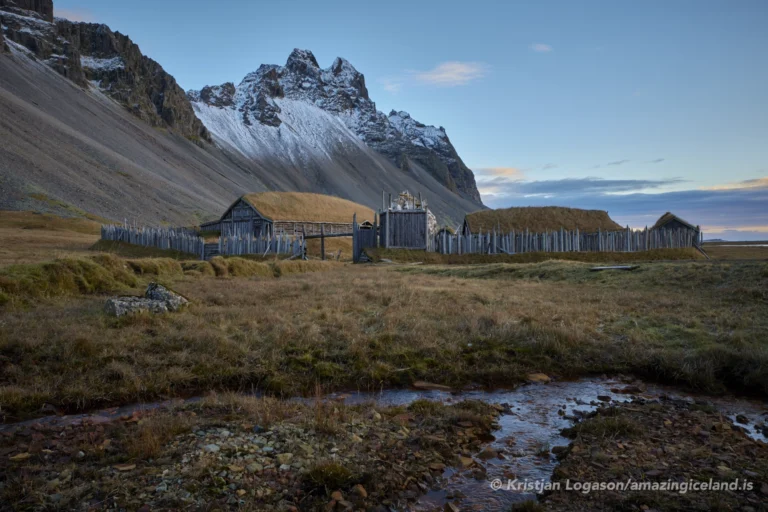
x: 256, y: 108
x: 305, y: 132
x: 98, y: 64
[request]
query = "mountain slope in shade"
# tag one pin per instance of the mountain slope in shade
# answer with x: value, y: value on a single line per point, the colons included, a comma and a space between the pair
x: 65, y: 148
x: 302, y: 101
x: 88, y: 123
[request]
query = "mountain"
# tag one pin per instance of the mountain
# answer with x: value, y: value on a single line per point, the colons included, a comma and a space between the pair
x: 254, y: 113
x: 90, y: 124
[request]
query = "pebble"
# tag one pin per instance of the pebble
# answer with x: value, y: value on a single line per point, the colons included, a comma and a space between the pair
x: 212, y: 448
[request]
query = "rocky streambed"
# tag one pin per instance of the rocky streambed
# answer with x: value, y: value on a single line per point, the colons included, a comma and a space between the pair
x: 394, y: 450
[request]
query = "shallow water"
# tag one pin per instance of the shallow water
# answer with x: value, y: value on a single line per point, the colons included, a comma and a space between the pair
x: 530, y: 425
x: 533, y: 424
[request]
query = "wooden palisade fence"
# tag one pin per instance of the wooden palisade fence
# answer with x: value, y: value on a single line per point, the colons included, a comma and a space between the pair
x: 564, y: 241
x: 187, y: 241
x: 234, y: 245
x: 161, y: 238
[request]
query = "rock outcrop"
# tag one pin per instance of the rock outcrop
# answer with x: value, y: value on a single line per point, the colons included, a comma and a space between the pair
x: 157, y: 299
x: 92, y: 55
x: 341, y: 91
x: 40, y: 8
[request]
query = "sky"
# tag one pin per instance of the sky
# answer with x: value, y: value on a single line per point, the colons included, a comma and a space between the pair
x: 637, y: 108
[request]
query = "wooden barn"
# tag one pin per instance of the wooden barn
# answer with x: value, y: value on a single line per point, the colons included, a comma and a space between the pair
x: 671, y: 221
x: 267, y: 213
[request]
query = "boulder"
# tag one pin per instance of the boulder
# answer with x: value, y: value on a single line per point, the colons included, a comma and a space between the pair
x: 173, y: 300
x: 122, y: 306
x: 157, y: 299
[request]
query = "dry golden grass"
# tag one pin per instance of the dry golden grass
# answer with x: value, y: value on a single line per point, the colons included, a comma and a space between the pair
x: 737, y: 251
x: 27, y: 237
x: 703, y: 325
x: 405, y: 256
x: 308, y: 207
x: 540, y: 219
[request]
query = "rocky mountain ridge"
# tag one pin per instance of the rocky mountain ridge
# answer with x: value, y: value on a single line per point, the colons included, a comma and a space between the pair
x: 80, y: 107
x: 341, y: 91
x: 92, y: 55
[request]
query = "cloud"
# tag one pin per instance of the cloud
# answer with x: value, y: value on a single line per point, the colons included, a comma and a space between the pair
x: 453, y: 73
x: 657, y: 161
x: 391, y: 85
x: 741, y: 185
x: 547, y: 167
x: 74, y: 14
x: 541, y: 48
x: 507, y: 172
x: 570, y: 187
x: 732, y: 213
x: 617, y: 162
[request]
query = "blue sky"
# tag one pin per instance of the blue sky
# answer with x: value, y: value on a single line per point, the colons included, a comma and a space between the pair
x: 633, y: 107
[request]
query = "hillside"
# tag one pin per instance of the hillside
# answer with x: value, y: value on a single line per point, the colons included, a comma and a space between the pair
x: 308, y: 207
x: 540, y: 219
x: 90, y: 125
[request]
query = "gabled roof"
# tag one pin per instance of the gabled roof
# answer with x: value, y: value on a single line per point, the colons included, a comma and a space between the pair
x: 303, y: 206
x: 669, y: 217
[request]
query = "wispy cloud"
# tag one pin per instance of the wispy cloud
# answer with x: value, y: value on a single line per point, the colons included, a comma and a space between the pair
x: 74, y: 14
x: 617, y: 162
x: 392, y: 85
x: 740, y: 185
x: 547, y: 167
x: 507, y: 172
x: 657, y: 161
x: 541, y: 48
x: 453, y: 73
x: 571, y: 187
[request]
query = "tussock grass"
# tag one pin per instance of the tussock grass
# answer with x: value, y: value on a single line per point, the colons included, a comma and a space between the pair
x: 64, y: 277
x: 364, y: 327
x: 538, y: 219
x: 153, y: 432
x: 404, y: 256
x: 606, y: 424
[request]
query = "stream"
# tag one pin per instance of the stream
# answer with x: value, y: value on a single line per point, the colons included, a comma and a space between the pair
x: 536, y: 415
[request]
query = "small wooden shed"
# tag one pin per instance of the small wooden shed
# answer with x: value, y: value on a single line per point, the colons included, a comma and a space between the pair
x: 671, y: 221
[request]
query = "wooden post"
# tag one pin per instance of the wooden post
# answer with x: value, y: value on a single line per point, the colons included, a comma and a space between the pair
x: 322, y: 241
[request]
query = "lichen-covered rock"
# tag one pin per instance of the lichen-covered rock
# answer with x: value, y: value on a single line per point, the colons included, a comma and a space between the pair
x: 173, y: 301
x: 122, y: 306
x: 157, y: 299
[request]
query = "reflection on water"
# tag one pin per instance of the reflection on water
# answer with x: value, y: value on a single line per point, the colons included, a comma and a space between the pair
x: 530, y: 428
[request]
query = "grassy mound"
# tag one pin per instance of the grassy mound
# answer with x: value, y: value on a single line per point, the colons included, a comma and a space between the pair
x: 541, y: 218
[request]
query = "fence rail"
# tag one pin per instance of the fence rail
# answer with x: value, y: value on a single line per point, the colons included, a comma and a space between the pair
x: 564, y: 241
x: 161, y: 238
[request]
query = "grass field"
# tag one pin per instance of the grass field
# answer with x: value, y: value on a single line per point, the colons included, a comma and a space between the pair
x: 700, y: 325
x: 27, y: 237
x: 737, y: 250
x: 289, y: 327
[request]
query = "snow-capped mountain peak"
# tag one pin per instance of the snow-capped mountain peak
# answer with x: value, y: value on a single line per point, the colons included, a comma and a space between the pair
x: 340, y: 91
